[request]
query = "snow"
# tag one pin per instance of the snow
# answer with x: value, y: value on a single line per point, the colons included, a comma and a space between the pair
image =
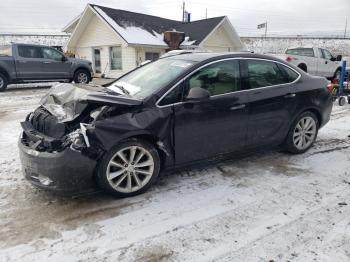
x: 261, y: 207
x: 133, y: 34
x: 49, y: 40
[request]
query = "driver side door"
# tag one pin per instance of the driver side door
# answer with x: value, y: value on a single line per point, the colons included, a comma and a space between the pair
x: 55, y: 66
x: 206, y: 129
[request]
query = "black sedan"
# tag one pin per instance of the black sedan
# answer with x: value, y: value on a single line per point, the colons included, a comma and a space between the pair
x: 166, y: 114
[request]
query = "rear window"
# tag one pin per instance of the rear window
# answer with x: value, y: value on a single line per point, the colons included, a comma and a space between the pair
x: 6, y: 50
x: 29, y: 51
x: 289, y: 74
x: 301, y: 51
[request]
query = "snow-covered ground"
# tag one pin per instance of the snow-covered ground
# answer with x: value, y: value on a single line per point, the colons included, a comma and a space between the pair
x: 268, y: 206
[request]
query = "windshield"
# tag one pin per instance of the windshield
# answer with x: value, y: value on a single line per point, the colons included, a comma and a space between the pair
x: 150, y: 78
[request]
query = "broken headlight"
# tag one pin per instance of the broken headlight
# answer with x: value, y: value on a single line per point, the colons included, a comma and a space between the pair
x: 78, y: 139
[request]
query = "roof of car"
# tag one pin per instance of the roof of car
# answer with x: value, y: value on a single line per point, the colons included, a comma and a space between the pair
x: 198, y: 57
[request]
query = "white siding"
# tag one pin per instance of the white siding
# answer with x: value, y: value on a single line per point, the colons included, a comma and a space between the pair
x: 98, y: 35
x: 218, y: 41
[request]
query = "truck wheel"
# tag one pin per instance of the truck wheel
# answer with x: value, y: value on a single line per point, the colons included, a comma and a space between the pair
x: 302, y: 133
x: 129, y: 168
x: 3, y: 82
x: 82, y: 76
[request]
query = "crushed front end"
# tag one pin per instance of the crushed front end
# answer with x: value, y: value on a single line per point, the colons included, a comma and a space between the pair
x: 57, y: 156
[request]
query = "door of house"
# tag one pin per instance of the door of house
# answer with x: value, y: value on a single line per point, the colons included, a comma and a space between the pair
x: 97, y: 60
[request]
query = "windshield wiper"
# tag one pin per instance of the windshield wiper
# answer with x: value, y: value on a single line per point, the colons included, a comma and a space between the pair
x: 126, y: 92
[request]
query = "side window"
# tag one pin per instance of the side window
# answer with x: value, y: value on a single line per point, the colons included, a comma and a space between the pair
x: 290, y: 75
x: 327, y: 54
x: 263, y: 73
x: 151, y: 56
x: 174, y: 96
x: 320, y: 53
x: 29, y: 51
x: 50, y: 53
x: 301, y: 51
x: 219, y: 78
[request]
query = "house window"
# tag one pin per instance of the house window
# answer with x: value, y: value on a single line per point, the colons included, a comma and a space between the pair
x: 152, y: 56
x: 115, y: 54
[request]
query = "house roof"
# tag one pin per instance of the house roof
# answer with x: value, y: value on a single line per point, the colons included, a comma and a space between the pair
x: 137, y: 28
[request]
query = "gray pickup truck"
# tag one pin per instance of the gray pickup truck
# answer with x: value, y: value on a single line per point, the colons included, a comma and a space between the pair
x: 23, y: 63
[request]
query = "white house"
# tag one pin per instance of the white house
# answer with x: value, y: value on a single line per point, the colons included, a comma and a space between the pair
x: 116, y: 41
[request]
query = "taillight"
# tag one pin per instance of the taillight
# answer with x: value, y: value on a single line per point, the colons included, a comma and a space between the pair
x: 289, y: 59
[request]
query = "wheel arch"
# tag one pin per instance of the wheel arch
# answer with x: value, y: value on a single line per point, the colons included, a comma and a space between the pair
x: 5, y: 73
x: 302, y: 66
x: 83, y: 68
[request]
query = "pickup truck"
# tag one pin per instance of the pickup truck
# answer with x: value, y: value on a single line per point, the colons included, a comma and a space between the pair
x: 314, y: 60
x: 23, y: 63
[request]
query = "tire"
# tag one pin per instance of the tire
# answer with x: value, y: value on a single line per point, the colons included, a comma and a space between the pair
x: 122, y: 173
x: 306, y: 125
x: 303, y: 67
x: 341, y: 100
x: 82, y: 76
x: 3, y: 82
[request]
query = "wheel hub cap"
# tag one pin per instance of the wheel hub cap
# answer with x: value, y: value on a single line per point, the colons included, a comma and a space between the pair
x: 304, y: 133
x: 130, y: 169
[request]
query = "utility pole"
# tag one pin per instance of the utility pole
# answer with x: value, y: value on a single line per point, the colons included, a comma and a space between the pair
x: 265, y: 29
x: 346, y: 27
x: 183, y: 11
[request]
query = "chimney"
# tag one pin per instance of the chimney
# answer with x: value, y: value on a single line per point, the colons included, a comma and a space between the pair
x: 174, y: 39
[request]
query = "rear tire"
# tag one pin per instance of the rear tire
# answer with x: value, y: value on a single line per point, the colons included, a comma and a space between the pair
x: 82, y: 76
x: 3, y: 82
x: 129, y: 168
x: 302, y: 134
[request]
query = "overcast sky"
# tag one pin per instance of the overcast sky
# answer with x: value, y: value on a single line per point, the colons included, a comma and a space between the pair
x: 283, y: 17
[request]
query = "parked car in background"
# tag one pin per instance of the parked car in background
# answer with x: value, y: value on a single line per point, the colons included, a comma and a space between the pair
x: 314, y: 60
x: 169, y: 113
x: 22, y: 63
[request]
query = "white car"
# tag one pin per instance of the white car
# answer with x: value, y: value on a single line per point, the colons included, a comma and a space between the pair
x: 314, y: 60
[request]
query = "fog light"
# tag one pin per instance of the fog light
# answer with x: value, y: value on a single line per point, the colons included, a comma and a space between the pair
x: 44, y: 180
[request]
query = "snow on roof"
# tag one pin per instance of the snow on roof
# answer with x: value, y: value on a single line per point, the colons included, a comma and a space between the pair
x: 133, y: 34
x: 187, y: 41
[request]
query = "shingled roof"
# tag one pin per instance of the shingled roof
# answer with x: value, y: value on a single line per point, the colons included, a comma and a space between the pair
x: 129, y: 25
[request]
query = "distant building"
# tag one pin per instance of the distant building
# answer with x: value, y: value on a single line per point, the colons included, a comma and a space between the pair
x: 58, y: 41
x: 116, y: 41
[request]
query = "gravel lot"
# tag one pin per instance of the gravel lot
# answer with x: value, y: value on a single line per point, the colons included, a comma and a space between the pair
x: 269, y: 206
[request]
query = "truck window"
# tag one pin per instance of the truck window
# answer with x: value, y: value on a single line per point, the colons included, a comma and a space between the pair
x: 50, y: 53
x: 6, y: 50
x: 327, y: 55
x: 301, y: 51
x: 29, y: 51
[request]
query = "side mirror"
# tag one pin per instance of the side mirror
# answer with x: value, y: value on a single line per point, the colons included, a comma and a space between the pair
x: 339, y: 57
x: 198, y: 94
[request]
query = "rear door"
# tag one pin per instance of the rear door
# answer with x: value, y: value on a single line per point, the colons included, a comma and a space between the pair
x: 55, y: 66
x: 29, y: 62
x: 271, y: 101
x: 216, y: 126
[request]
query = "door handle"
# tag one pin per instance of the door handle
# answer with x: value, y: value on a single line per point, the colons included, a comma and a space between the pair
x: 326, y: 62
x: 237, y: 107
x: 47, y: 62
x: 290, y: 95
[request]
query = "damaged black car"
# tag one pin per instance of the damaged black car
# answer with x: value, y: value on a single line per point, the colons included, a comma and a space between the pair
x: 166, y: 114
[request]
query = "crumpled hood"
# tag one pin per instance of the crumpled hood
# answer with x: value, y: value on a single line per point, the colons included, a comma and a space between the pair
x: 68, y: 101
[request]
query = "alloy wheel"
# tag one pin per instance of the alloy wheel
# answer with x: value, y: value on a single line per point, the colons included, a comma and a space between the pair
x: 304, y: 133
x: 130, y: 169
x: 82, y: 78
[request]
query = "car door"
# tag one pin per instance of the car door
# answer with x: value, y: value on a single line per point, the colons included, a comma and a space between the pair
x: 330, y: 63
x: 204, y: 129
x: 270, y: 99
x: 29, y: 63
x: 55, y: 65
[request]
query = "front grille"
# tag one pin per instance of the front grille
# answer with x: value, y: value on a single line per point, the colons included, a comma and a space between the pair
x: 46, y: 123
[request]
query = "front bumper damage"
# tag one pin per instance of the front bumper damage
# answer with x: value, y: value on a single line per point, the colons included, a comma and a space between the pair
x: 66, y: 172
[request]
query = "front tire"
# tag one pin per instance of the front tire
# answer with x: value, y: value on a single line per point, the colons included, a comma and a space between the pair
x: 302, y: 133
x: 129, y: 168
x: 82, y: 76
x: 3, y: 82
